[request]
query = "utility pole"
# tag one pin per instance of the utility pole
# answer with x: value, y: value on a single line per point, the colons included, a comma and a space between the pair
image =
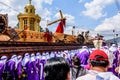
x: 114, y: 35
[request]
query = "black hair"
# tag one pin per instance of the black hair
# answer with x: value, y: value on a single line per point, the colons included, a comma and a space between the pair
x: 56, y: 68
x: 76, y: 61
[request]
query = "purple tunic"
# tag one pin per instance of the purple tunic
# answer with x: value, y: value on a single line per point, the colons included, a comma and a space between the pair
x: 27, y: 70
x: 19, y: 66
x: 84, y: 55
x: 115, y: 62
x: 19, y: 69
x: 38, y: 67
x: 33, y: 71
x: 2, y: 66
x: 11, y: 65
x: 1, y: 70
x: 42, y: 63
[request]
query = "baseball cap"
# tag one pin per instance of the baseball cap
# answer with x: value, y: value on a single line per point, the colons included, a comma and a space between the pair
x: 98, y: 55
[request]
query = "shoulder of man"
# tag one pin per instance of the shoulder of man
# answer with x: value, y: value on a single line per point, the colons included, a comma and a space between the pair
x: 87, y: 77
x: 107, y: 76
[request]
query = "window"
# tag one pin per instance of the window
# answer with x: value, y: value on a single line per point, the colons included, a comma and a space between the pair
x: 26, y: 10
x: 32, y: 24
x: 25, y: 24
x: 30, y: 10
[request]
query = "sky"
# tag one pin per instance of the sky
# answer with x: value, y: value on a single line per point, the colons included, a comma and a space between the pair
x: 96, y: 16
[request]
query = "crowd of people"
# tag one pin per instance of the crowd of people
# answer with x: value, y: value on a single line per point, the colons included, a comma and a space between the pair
x: 81, y: 64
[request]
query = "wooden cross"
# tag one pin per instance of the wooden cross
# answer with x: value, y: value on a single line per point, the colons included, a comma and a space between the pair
x: 62, y: 18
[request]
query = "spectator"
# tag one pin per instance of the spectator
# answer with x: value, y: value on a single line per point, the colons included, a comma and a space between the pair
x: 99, y: 64
x: 84, y: 55
x: 57, y: 68
x: 77, y: 69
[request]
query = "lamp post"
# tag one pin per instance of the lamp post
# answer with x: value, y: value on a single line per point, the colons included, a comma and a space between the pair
x: 114, y: 35
x: 116, y: 39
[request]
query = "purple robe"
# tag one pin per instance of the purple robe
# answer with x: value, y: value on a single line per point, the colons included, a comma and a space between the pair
x: 84, y: 55
x: 33, y: 71
x: 115, y: 62
x: 26, y: 66
x: 19, y: 66
x: 2, y: 66
x: 19, y: 69
x: 11, y: 66
x: 42, y: 63
x: 1, y: 70
x: 38, y: 67
x: 27, y: 70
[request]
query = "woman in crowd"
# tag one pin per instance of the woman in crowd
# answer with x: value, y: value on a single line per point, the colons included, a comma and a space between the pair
x: 57, y: 68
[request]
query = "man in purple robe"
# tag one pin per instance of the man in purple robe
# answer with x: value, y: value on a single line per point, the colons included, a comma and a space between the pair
x: 113, y: 49
x: 33, y: 68
x: 3, y: 60
x: 26, y: 66
x: 83, y: 55
x: 42, y: 63
x: 19, y: 67
x: 12, y: 67
x: 38, y: 57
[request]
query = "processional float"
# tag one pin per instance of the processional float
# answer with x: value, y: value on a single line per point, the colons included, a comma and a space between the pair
x: 12, y: 41
x: 28, y: 38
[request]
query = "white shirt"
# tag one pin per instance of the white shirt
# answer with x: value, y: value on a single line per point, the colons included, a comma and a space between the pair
x: 90, y: 76
x: 95, y: 75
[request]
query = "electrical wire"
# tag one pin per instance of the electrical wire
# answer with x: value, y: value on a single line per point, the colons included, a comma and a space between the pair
x: 9, y: 6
